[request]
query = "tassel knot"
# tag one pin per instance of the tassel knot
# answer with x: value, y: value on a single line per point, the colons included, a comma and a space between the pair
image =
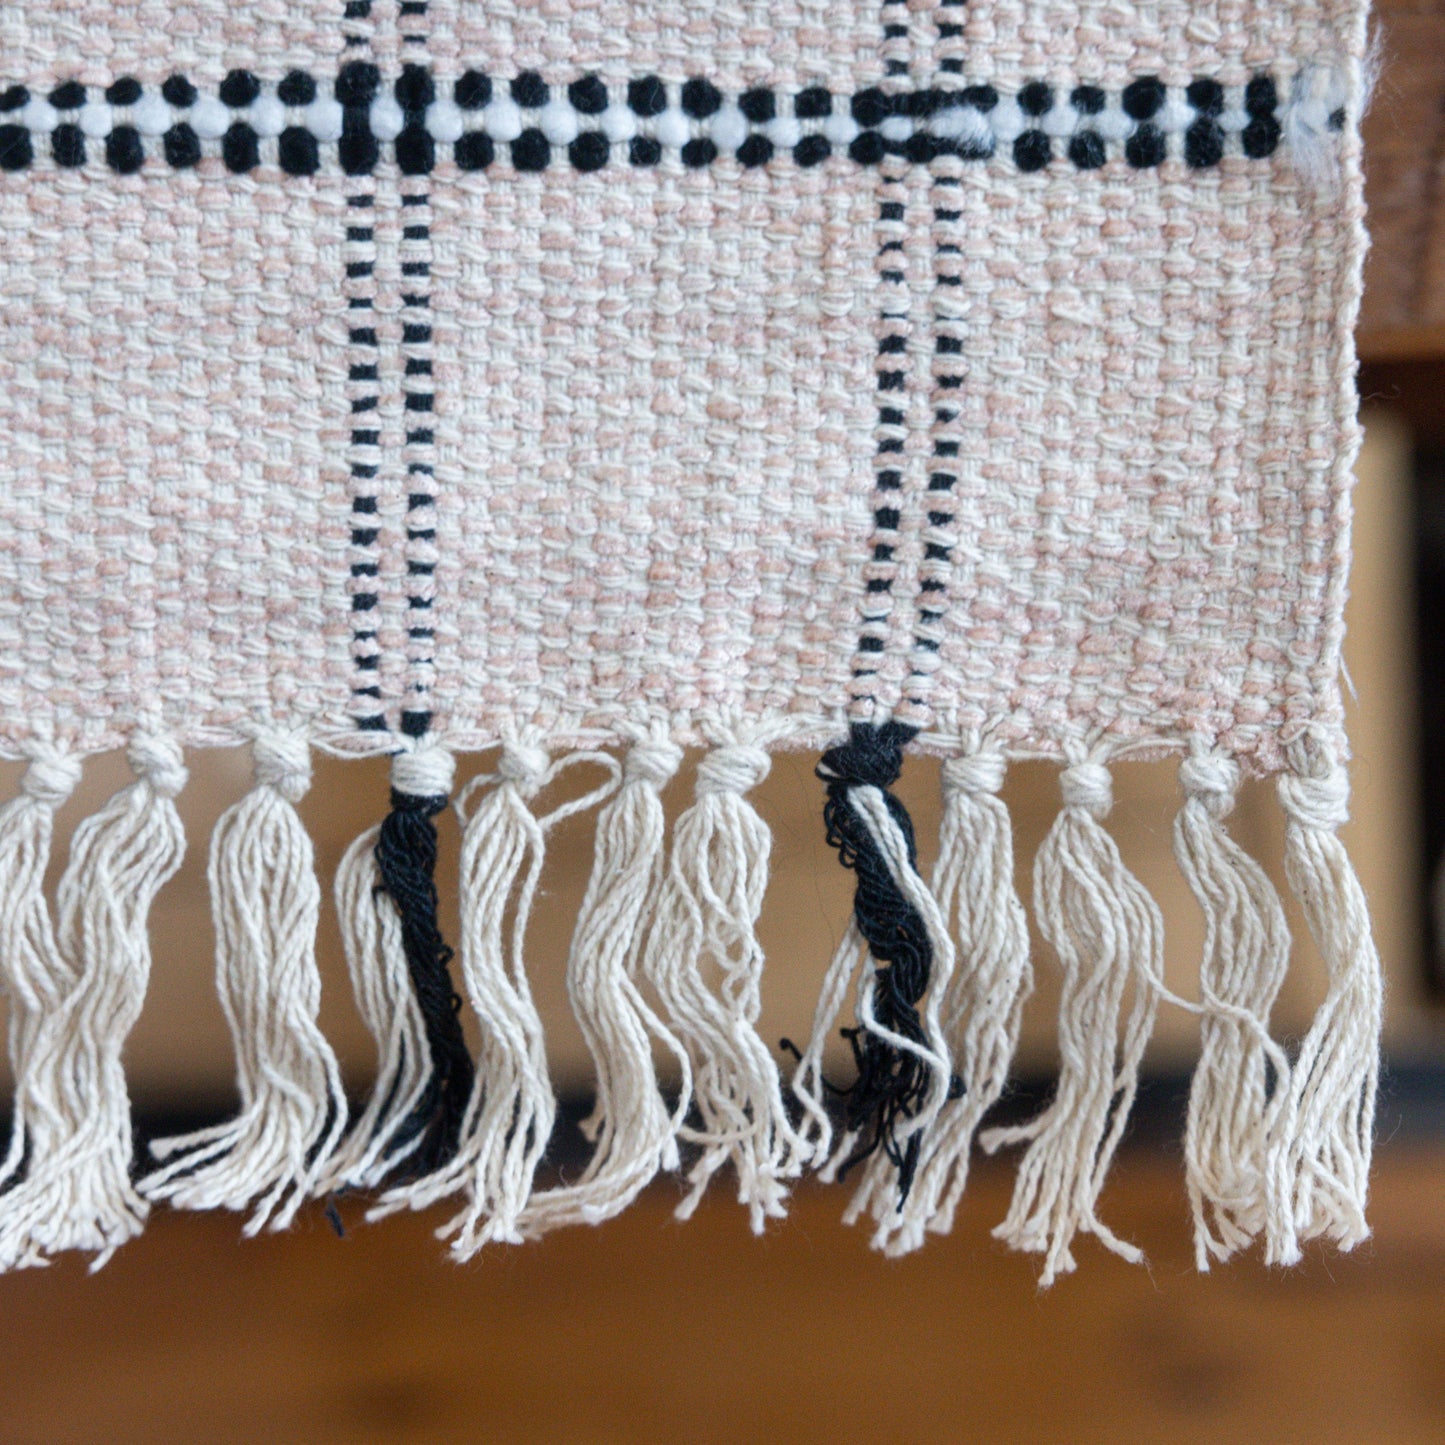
x: 422, y: 773
x: 525, y: 767
x: 1329, y: 1113
x: 1211, y: 779
x: 982, y: 1003
x: 653, y: 762
x: 51, y: 777
x: 159, y: 761
x: 282, y: 760
x: 979, y: 773
x: 1319, y: 800
x: 266, y: 904
x: 898, y: 1046
x: 872, y: 757
x: 1088, y: 786
x: 1108, y: 934
x: 734, y: 768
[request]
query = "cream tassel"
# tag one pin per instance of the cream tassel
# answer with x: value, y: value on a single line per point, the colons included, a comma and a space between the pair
x: 1104, y: 927
x: 983, y: 1008
x: 77, y: 1192
x: 630, y: 1126
x: 707, y: 914
x: 1232, y: 1133
x: 1328, y: 1120
x: 267, y: 906
x: 35, y: 975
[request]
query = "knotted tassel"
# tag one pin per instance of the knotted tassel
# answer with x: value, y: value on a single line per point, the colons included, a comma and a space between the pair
x: 512, y: 1109
x: 1327, y: 1121
x: 983, y: 1007
x: 1231, y: 1136
x: 1105, y: 929
x: 898, y: 1046
x: 77, y: 1191
x: 707, y: 918
x: 266, y: 903
x: 386, y: 897
x: 34, y: 974
x: 630, y: 1127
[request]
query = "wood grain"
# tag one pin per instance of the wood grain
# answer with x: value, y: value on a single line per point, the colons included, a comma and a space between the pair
x: 649, y: 1330
x: 1403, y: 315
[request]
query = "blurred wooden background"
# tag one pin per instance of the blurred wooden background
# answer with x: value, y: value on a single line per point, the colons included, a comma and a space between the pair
x: 647, y: 1330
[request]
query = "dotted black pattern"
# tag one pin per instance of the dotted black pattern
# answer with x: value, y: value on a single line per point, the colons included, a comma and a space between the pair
x: 299, y: 150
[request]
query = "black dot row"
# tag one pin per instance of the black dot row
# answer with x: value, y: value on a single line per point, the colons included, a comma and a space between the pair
x: 298, y: 152
x: 416, y: 150
x: 360, y: 82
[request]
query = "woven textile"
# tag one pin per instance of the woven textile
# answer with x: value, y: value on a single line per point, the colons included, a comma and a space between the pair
x: 423, y: 376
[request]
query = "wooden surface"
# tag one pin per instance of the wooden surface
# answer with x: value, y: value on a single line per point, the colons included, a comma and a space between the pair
x: 648, y: 1330
x: 1404, y: 307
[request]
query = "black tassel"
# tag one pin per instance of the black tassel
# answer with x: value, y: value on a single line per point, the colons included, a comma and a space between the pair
x: 892, y: 1084
x: 406, y: 857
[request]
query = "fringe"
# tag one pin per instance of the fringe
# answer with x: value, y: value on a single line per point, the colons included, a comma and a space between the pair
x: 1104, y: 928
x: 77, y: 1192
x: 387, y: 903
x: 901, y: 1055
x: 267, y: 906
x: 1272, y: 1150
x: 1232, y: 1137
x: 34, y: 974
x: 983, y: 1006
x: 1328, y: 1118
x: 707, y: 915
x: 630, y: 1126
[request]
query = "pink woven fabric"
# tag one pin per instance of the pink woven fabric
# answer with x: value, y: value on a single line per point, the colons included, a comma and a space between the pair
x: 656, y: 410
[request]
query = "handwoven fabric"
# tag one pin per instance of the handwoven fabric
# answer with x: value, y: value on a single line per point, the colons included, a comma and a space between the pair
x: 1111, y: 402
x: 588, y: 382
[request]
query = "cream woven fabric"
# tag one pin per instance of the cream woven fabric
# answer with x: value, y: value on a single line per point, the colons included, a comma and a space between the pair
x: 423, y: 377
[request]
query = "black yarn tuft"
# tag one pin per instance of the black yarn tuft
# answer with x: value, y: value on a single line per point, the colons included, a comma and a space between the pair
x: 406, y: 856
x: 892, y: 1084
